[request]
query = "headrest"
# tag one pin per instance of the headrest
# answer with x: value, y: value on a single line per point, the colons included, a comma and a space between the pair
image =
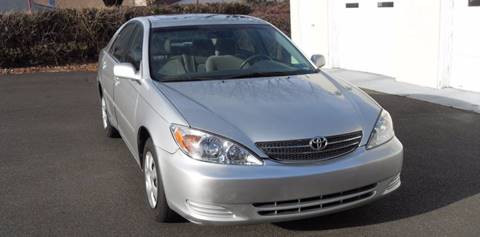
x: 157, y: 46
x: 203, y: 47
x: 225, y: 47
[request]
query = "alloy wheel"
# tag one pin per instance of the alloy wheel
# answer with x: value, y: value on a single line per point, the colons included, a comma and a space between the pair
x: 151, y: 180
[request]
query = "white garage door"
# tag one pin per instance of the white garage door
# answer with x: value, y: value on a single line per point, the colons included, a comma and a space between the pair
x: 364, y: 35
x: 465, y: 69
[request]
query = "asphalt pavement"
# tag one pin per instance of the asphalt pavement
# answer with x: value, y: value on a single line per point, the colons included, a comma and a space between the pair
x: 61, y: 176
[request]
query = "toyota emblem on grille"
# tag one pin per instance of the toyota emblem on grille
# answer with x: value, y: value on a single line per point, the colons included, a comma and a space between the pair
x: 318, y: 143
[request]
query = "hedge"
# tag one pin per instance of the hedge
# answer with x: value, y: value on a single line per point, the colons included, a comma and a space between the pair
x: 69, y: 36
x: 276, y: 13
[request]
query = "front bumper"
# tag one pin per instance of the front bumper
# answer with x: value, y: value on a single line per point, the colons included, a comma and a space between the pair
x: 224, y: 194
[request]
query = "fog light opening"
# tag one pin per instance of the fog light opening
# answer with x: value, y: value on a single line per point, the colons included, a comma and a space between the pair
x: 209, y: 210
x: 394, y: 184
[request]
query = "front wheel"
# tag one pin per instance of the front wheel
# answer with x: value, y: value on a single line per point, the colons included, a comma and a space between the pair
x: 154, y: 187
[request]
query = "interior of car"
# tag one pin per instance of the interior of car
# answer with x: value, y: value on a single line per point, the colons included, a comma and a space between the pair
x: 210, y: 51
x: 198, y: 55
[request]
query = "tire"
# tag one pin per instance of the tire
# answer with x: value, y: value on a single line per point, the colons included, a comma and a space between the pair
x: 107, y: 126
x: 155, y: 193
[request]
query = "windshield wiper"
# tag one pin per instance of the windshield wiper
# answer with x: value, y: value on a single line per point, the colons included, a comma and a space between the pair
x: 238, y: 76
x: 271, y: 74
x: 191, y: 78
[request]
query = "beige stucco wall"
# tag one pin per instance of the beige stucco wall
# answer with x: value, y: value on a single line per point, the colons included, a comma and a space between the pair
x: 79, y: 4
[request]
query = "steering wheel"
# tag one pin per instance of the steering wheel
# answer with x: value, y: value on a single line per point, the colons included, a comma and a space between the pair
x: 254, y: 57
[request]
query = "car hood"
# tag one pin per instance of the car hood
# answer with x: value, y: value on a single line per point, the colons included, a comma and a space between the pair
x: 274, y: 108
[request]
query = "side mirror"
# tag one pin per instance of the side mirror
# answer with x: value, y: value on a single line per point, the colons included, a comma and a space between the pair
x: 318, y: 60
x: 126, y: 71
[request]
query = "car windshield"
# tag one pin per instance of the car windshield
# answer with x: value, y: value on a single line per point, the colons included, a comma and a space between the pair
x: 223, y: 52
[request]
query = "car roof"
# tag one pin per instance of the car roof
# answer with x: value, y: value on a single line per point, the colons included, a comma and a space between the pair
x: 200, y: 19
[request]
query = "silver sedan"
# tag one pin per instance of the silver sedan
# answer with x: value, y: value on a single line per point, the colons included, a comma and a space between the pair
x: 231, y: 123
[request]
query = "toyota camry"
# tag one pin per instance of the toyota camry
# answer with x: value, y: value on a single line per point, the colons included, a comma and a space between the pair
x: 231, y: 123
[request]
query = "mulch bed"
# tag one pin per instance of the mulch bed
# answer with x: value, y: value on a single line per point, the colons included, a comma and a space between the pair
x: 92, y: 67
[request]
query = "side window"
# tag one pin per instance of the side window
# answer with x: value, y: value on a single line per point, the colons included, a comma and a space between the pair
x: 120, y: 45
x: 134, y: 52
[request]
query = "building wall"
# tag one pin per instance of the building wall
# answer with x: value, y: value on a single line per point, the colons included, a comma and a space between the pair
x: 79, y: 4
x: 140, y: 2
x: 23, y: 5
x: 412, y: 40
x: 15, y: 5
x: 310, y: 27
x: 463, y: 58
x: 42, y: 2
x: 431, y: 43
x: 417, y: 52
x: 46, y: 2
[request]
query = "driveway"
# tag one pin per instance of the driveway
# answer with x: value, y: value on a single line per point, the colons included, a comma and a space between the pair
x: 61, y: 176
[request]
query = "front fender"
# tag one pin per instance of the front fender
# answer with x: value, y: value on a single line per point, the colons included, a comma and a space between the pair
x: 155, y: 113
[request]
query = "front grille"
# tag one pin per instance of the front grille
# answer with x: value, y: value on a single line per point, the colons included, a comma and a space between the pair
x: 303, y: 205
x: 300, y: 150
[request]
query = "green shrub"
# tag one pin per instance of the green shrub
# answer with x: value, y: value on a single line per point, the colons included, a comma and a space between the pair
x: 68, y: 36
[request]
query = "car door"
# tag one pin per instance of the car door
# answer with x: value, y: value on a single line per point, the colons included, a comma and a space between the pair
x: 126, y: 91
x: 108, y: 59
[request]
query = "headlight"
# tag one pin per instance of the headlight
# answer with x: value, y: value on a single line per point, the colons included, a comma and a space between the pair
x: 207, y: 147
x: 382, y: 132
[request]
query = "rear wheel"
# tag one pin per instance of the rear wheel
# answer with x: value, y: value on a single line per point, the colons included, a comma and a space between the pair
x: 109, y: 129
x: 154, y: 187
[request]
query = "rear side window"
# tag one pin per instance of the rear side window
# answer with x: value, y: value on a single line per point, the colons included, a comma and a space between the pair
x: 120, y: 45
